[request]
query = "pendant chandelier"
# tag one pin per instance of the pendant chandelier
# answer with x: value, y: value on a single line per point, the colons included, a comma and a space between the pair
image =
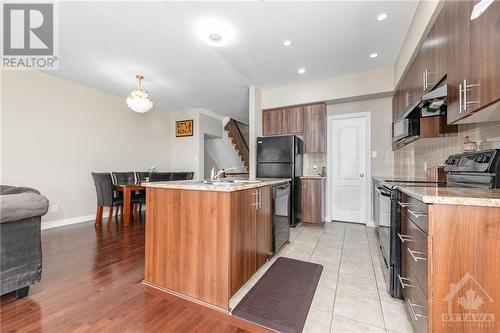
x: 139, y: 100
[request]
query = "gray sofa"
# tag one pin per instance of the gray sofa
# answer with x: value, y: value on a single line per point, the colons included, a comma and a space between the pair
x: 21, y: 211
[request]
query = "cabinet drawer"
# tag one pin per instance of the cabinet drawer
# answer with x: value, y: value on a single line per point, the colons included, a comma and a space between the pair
x: 415, y: 299
x: 414, y: 250
x: 415, y: 210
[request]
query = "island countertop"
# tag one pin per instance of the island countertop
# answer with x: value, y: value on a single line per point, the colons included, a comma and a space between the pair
x: 232, y: 185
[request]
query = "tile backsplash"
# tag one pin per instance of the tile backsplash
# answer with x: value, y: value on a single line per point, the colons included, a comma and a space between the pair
x: 311, y: 160
x: 413, y: 159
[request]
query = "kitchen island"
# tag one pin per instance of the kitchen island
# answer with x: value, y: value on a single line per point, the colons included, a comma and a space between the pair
x: 205, y: 240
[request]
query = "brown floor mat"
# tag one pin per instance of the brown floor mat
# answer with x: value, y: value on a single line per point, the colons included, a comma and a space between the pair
x: 280, y: 300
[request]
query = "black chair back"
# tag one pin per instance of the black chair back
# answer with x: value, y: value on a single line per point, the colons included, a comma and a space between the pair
x: 160, y: 176
x: 104, y: 188
x: 124, y: 177
x: 182, y: 175
x: 141, y: 176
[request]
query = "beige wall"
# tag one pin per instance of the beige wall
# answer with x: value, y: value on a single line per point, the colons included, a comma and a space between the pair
x: 381, y: 117
x: 413, y: 159
x: 254, y: 126
x: 55, y: 132
x: 188, y: 153
x: 379, y: 81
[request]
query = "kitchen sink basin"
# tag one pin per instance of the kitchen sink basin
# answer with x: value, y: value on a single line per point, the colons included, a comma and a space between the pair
x: 230, y: 181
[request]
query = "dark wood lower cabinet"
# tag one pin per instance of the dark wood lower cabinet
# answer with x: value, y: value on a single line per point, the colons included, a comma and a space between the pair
x: 312, y: 198
x: 264, y: 226
x: 450, y: 266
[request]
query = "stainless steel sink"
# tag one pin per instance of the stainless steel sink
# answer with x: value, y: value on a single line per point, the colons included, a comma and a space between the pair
x: 230, y: 181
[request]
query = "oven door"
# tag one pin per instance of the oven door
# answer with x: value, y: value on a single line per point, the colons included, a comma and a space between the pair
x: 384, y: 227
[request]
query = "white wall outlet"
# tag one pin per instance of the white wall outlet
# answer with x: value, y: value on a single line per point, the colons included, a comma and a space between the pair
x: 425, y: 166
x: 374, y: 154
x: 315, y: 168
x: 54, y: 208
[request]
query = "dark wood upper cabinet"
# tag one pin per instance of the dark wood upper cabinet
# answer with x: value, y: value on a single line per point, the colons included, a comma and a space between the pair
x: 484, y: 59
x: 433, y: 54
x: 474, y: 69
x: 458, y: 17
x: 307, y: 119
x: 293, y: 120
x: 272, y: 122
x: 315, y: 128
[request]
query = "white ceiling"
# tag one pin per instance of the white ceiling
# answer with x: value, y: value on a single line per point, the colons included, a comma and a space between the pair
x: 104, y: 44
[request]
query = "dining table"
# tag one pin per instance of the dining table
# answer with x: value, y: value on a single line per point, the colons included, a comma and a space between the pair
x: 127, y: 190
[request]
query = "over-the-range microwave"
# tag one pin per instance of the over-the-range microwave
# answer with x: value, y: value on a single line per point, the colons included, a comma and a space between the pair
x: 405, y: 127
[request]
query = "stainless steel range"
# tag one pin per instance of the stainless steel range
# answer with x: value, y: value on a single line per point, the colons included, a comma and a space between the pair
x: 477, y: 169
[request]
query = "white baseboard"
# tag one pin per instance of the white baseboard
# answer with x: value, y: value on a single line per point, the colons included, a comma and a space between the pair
x: 75, y: 220
x: 69, y: 221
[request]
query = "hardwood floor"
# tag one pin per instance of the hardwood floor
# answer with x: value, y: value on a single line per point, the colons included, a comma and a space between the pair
x: 91, y: 282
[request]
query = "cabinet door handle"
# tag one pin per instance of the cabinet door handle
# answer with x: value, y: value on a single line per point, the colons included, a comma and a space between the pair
x: 414, y: 314
x: 401, y: 282
x: 416, y: 214
x: 423, y: 80
x: 418, y: 256
x: 466, y: 89
x: 404, y: 238
x: 403, y: 204
x: 460, y: 97
x: 257, y: 200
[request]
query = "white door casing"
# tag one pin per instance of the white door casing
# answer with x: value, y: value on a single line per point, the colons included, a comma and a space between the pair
x: 349, y: 166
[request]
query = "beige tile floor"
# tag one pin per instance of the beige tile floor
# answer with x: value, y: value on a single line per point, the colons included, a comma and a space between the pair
x: 351, y: 295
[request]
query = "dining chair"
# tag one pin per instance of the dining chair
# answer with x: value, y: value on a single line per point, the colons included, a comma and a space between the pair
x: 106, y: 197
x: 142, y: 175
x: 160, y: 176
x: 124, y: 177
x: 182, y: 175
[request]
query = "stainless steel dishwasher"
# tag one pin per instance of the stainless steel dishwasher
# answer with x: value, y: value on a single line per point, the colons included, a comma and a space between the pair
x: 281, y: 215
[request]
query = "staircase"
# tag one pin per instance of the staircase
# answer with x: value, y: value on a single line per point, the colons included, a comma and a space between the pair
x: 236, y: 132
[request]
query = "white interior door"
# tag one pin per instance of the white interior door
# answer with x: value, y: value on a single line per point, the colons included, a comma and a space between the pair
x: 348, y: 169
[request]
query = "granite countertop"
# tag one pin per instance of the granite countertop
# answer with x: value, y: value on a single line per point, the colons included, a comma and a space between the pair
x: 313, y: 177
x: 463, y: 196
x: 392, y: 179
x: 198, y: 185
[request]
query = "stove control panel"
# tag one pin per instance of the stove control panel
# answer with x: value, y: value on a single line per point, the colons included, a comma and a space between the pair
x: 481, y: 161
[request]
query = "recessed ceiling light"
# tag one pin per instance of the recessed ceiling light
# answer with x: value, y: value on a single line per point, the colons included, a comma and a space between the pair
x: 373, y: 55
x: 215, y: 34
x: 301, y: 70
x: 382, y: 17
x: 287, y: 43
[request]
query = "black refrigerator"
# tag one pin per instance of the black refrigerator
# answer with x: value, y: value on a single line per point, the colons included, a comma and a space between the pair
x: 281, y: 157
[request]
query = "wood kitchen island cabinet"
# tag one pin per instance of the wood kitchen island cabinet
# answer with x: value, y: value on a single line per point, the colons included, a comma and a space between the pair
x: 203, y: 242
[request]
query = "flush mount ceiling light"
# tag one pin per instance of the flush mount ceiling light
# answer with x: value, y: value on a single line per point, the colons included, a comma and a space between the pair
x: 373, y: 55
x: 382, y: 17
x: 215, y: 34
x: 139, y: 100
x: 287, y: 43
x: 480, y: 8
x: 301, y: 70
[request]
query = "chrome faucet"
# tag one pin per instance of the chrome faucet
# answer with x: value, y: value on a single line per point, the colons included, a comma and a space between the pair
x: 215, y: 174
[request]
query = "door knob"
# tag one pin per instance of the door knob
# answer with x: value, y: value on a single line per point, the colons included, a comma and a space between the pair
x: 361, y: 175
